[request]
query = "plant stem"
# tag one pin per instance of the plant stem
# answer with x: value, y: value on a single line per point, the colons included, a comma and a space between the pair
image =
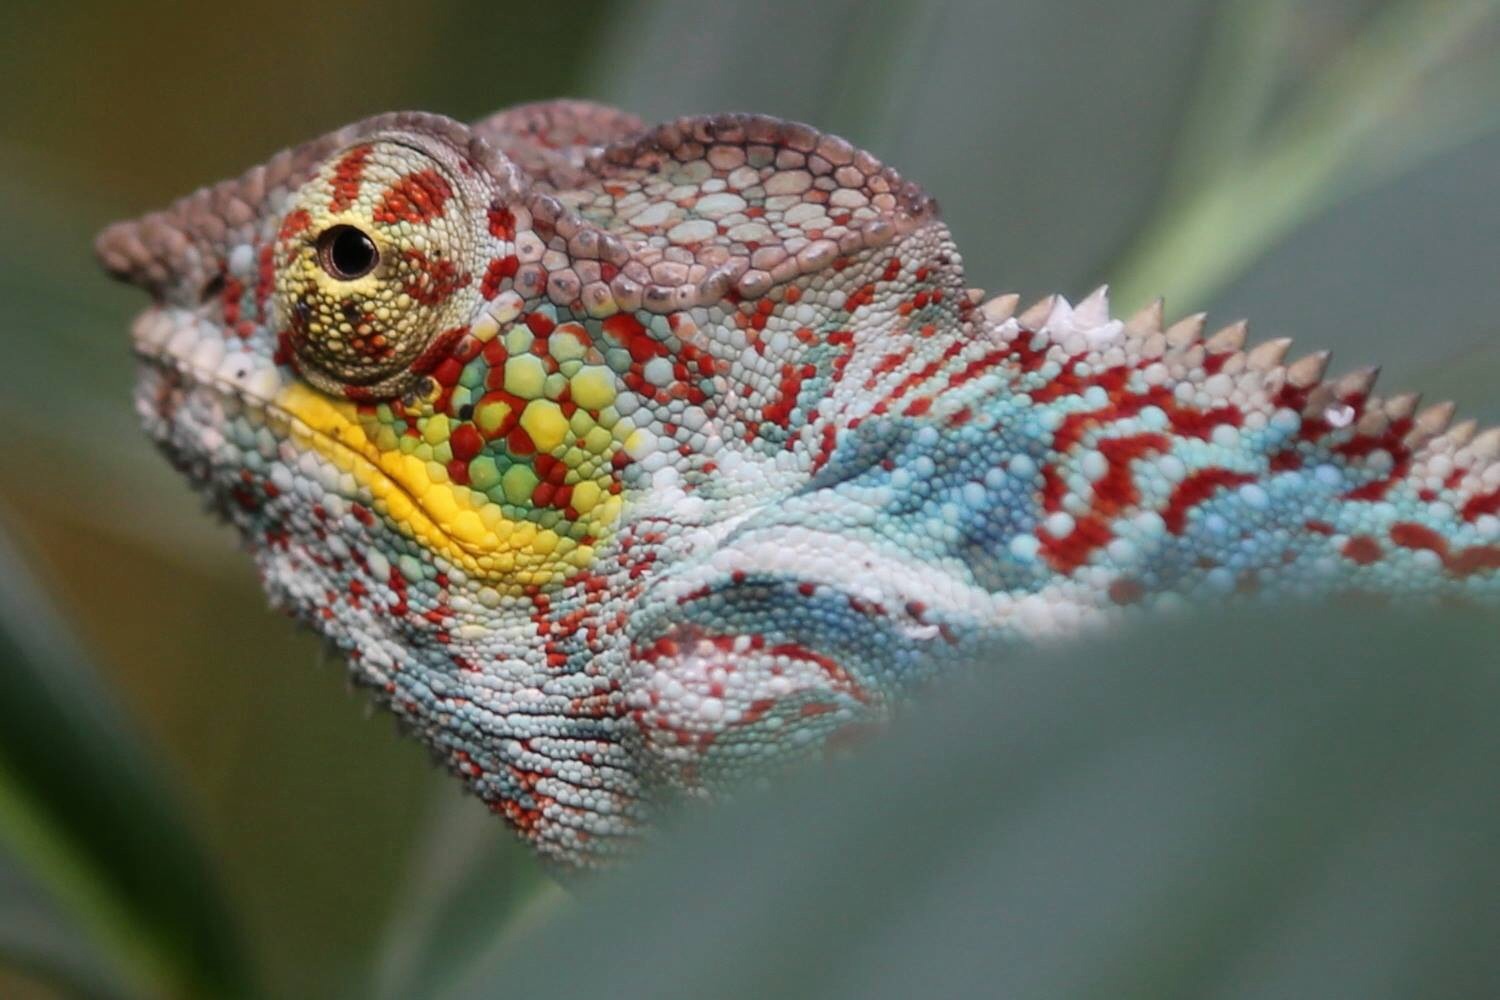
x: 1225, y: 219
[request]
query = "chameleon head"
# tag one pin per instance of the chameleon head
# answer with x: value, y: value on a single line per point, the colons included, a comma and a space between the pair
x: 354, y: 313
x: 351, y: 352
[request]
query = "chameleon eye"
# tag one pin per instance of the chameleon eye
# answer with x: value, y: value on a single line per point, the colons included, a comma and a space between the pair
x: 347, y: 253
x: 373, y: 267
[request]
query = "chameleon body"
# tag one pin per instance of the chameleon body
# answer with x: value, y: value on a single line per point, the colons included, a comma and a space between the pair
x: 623, y: 462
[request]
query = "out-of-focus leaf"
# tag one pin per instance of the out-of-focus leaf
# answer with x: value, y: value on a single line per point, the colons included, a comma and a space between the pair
x: 1335, y: 134
x: 308, y: 798
x: 1041, y: 127
x: 1402, y: 275
x: 36, y: 935
x: 469, y: 879
x: 1296, y: 804
x: 64, y: 339
x: 82, y: 807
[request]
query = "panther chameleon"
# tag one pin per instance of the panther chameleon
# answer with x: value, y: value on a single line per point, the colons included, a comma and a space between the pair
x: 622, y: 463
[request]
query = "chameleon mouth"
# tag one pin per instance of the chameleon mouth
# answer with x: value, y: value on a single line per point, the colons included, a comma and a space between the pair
x: 467, y: 529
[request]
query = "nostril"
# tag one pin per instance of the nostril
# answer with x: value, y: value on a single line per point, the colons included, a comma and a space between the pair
x: 213, y: 288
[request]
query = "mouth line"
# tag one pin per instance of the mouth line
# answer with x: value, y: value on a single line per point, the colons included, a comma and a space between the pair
x: 197, y: 377
x: 474, y: 533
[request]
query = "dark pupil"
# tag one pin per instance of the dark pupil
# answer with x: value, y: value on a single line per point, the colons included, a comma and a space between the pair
x: 346, y: 253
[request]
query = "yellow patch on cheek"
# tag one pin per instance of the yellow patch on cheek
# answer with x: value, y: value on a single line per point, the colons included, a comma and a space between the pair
x: 461, y: 525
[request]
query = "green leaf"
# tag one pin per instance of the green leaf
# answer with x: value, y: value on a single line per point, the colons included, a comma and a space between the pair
x: 469, y: 880
x: 83, y: 808
x: 1402, y: 275
x: 38, y: 936
x: 1222, y: 212
x: 1276, y: 804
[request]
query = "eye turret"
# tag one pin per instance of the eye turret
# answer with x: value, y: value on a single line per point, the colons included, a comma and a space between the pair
x: 372, y: 269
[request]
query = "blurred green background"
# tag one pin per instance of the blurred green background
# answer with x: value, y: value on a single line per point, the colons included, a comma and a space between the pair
x: 190, y: 802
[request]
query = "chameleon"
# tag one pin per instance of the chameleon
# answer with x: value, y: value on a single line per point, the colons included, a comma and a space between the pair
x: 625, y: 464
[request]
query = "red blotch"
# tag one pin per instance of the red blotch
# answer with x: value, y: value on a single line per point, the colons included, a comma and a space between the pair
x: 539, y: 325
x: 448, y: 371
x: 518, y: 442
x: 792, y: 377
x: 231, y: 297
x: 1073, y: 550
x: 1461, y: 564
x: 1473, y: 560
x: 859, y: 298
x: 347, y: 177
x: 1488, y: 503
x: 432, y: 281
x: 418, y: 197
x: 502, y: 222
x: 440, y: 348
x: 285, y: 353
x: 1116, y: 489
x: 1418, y: 536
x: 515, y: 405
x: 265, y: 280
x: 1362, y: 549
x: 294, y: 223
x: 499, y: 269
x: 1195, y: 489
x: 626, y: 330
x: 466, y: 442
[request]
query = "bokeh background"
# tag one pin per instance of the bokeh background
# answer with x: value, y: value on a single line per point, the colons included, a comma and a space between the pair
x: 191, y: 802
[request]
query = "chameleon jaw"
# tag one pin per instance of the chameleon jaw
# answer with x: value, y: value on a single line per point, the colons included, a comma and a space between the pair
x: 469, y: 532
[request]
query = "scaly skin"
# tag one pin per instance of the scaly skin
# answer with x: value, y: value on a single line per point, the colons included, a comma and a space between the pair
x: 644, y: 459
